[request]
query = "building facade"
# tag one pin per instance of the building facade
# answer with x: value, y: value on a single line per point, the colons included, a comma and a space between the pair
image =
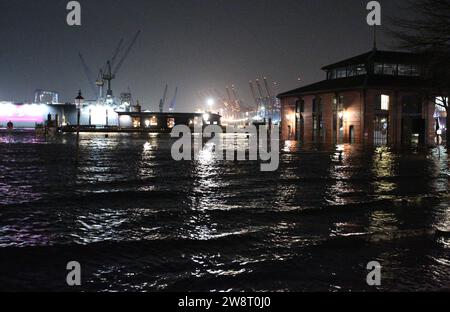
x: 378, y: 98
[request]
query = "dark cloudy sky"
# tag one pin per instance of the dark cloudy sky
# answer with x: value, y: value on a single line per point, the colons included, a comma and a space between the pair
x: 198, y: 45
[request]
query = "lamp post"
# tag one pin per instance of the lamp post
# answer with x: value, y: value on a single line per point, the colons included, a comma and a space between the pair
x: 79, y: 103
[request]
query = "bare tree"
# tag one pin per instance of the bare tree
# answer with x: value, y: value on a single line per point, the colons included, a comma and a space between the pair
x: 427, y: 31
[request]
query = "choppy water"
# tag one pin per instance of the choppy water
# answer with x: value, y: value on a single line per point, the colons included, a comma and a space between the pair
x: 138, y: 221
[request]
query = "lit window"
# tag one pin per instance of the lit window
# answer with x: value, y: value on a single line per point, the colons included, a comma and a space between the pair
x: 404, y: 70
x: 136, y: 122
x: 341, y: 73
x: 390, y: 69
x: 378, y: 69
x: 440, y: 104
x: 361, y: 69
x: 385, y: 102
x: 351, y: 71
x: 170, y: 123
x: 152, y: 122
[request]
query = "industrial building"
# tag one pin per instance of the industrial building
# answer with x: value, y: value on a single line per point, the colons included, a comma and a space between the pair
x: 30, y: 115
x: 377, y: 98
x: 97, y: 117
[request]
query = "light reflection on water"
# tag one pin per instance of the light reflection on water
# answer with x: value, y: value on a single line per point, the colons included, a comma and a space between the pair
x: 141, y: 221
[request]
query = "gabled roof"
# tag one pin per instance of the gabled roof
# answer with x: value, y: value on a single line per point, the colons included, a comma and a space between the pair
x: 358, y: 82
x: 378, y: 56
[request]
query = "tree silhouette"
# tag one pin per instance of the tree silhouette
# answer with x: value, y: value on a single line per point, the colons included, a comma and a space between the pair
x: 427, y: 31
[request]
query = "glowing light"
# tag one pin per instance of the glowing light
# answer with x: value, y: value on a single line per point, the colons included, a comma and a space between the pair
x: 125, y: 120
x: 152, y: 122
x: 22, y: 113
x: 98, y: 113
x: 290, y: 117
x: 171, y: 123
x: 385, y: 102
x: 346, y: 116
x: 206, y: 117
x: 231, y: 120
x: 210, y: 102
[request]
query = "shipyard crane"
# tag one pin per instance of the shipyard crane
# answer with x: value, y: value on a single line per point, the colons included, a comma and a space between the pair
x: 88, y: 73
x: 252, y: 88
x: 261, y: 96
x: 237, y: 103
x: 261, y: 99
x: 116, y: 52
x: 173, y: 103
x: 111, y: 69
x: 222, y: 100
x: 269, y: 94
x: 230, y: 100
x: 162, y: 102
x: 100, y: 82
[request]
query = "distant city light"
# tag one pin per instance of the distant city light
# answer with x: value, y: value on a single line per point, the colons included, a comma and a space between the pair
x: 210, y: 102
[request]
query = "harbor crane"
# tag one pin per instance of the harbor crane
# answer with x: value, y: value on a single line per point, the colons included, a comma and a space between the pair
x: 269, y: 94
x: 174, y: 101
x: 238, y: 102
x: 88, y: 73
x: 252, y: 88
x: 162, y: 102
x: 112, y: 70
x: 100, y: 82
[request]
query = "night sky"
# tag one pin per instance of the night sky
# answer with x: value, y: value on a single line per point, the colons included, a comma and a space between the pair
x: 198, y: 45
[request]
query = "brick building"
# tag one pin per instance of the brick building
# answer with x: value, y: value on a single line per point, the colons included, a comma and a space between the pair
x: 377, y: 98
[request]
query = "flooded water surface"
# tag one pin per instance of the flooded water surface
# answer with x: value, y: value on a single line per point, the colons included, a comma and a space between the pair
x: 138, y: 221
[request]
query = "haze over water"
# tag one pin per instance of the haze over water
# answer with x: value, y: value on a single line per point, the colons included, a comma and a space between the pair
x: 138, y: 221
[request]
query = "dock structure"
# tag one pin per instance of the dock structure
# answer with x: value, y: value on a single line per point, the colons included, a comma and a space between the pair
x: 95, y: 117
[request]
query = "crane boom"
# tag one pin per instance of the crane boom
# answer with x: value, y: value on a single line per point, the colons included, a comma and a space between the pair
x: 116, y: 53
x: 267, y: 87
x: 237, y: 103
x: 270, y: 98
x: 230, y: 100
x: 252, y: 87
x: 162, y: 102
x: 259, y: 89
x: 127, y: 52
x: 88, y: 73
x: 174, y: 101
